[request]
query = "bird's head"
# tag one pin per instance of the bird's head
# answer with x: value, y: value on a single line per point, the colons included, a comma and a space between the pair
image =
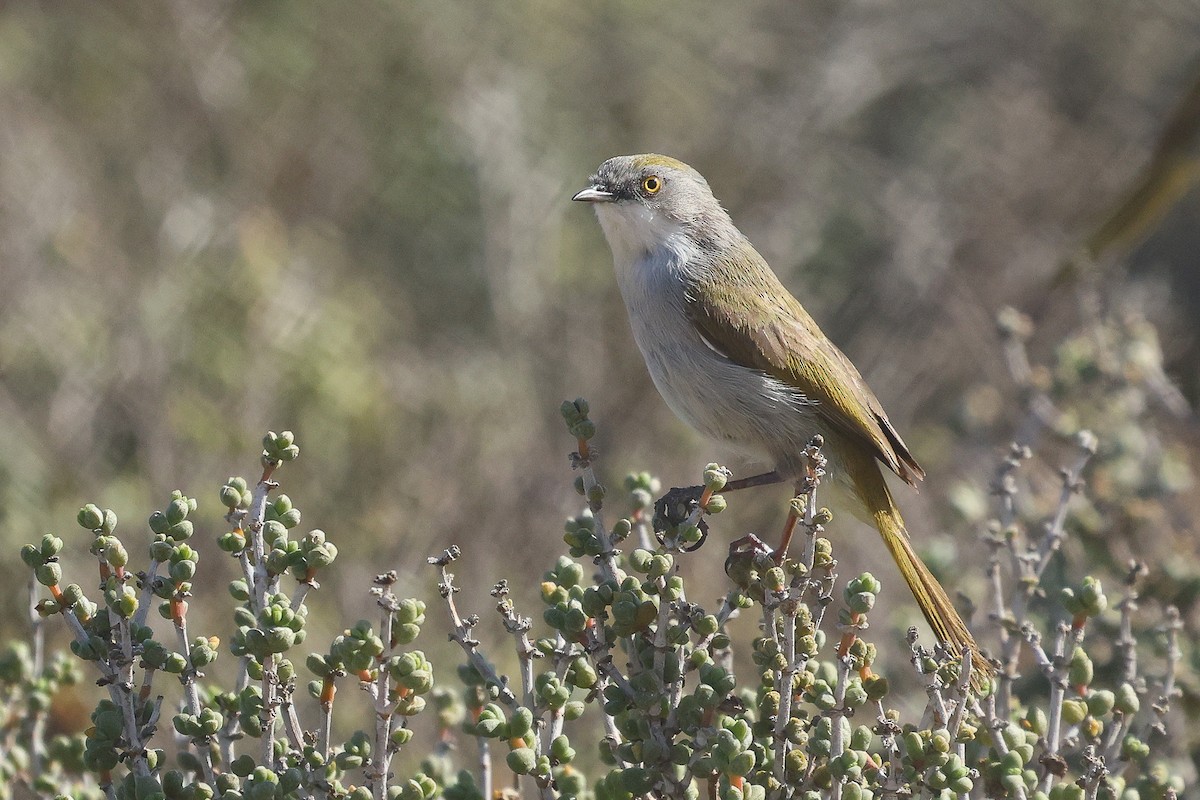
x: 646, y: 202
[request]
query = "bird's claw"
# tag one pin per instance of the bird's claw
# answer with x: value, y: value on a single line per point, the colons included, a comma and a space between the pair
x: 674, y: 509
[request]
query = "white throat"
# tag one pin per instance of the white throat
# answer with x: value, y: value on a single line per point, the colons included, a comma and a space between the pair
x: 636, y: 233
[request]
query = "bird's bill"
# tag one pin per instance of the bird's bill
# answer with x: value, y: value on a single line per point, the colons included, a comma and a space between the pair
x: 594, y: 194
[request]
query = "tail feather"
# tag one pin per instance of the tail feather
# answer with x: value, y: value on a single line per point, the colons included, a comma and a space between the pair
x: 935, y: 604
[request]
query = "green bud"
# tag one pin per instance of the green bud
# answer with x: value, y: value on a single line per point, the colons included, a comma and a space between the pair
x: 561, y: 750
x: 1035, y: 720
x: 180, y: 531
x: 1080, y: 670
x: 161, y: 550
x: 1134, y: 749
x: 742, y: 763
x: 116, y: 554
x: 202, y: 655
x: 715, y: 477
x: 232, y: 542
x: 861, y: 603
x: 706, y: 625
x: 876, y: 686
x: 158, y: 522
x: 49, y: 547
x: 640, y: 560
x: 31, y: 556
x: 961, y: 786
x: 231, y: 496
x: 71, y: 595
x: 181, y: 571
x: 49, y: 574
x: 1126, y: 700
x: 90, y: 517
x: 1074, y: 711
x: 1101, y: 702
x: 637, y: 780
x: 522, y: 760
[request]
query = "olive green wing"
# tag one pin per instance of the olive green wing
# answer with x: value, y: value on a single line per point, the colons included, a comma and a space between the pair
x: 750, y: 318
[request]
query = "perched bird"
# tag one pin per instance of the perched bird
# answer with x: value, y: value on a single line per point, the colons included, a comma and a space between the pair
x: 737, y: 357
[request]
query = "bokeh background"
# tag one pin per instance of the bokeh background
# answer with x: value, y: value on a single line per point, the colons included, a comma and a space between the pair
x: 352, y: 220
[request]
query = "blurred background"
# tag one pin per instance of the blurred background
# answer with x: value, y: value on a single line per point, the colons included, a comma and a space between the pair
x: 353, y: 221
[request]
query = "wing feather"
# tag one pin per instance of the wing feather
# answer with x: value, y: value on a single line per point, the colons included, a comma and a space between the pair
x: 754, y: 321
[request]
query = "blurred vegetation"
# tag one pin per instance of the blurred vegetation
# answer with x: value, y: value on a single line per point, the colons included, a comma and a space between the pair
x: 352, y: 221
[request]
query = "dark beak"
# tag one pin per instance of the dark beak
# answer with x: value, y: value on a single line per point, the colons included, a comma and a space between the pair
x: 594, y: 194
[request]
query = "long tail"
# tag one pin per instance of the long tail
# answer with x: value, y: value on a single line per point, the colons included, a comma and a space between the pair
x: 937, y: 607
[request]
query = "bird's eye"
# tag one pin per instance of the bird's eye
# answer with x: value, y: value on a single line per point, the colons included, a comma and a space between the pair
x: 651, y: 184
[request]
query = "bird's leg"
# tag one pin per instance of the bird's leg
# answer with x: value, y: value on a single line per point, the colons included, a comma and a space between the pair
x: 789, y: 527
x: 677, y: 505
x: 766, y: 479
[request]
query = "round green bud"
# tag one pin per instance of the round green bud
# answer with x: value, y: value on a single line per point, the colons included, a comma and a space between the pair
x: 116, y: 554
x: 161, y: 550
x: 71, y: 595
x: 561, y: 750
x: 521, y: 722
x: 1134, y: 749
x: 876, y: 686
x: 522, y: 760
x: 715, y: 477
x: 90, y: 517
x: 232, y: 542
x: 1101, y: 702
x: 231, y: 496
x: 49, y: 547
x: 181, y: 571
x: 640, y: 560
x: 1126, y: 700
x: 861, y: 603
x: 1080, y: 670
x: 180, y: 531
x: 49, y: 574
x: 31, y: 556
x: 742, y: 763
x: 158, y: 522
x: 177, y: 511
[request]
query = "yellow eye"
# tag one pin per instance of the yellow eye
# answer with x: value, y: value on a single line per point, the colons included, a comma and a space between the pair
x: 651, y: 184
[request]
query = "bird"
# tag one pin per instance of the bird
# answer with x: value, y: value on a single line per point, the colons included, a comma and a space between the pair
x: 737, y: 357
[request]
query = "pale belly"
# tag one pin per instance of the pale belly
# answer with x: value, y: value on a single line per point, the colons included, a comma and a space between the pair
x: 752, y: 412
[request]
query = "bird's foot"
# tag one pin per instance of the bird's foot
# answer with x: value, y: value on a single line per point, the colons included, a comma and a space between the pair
x: 676, y: 508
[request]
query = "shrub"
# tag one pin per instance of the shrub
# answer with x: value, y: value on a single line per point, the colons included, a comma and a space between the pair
x: 621, y: 644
